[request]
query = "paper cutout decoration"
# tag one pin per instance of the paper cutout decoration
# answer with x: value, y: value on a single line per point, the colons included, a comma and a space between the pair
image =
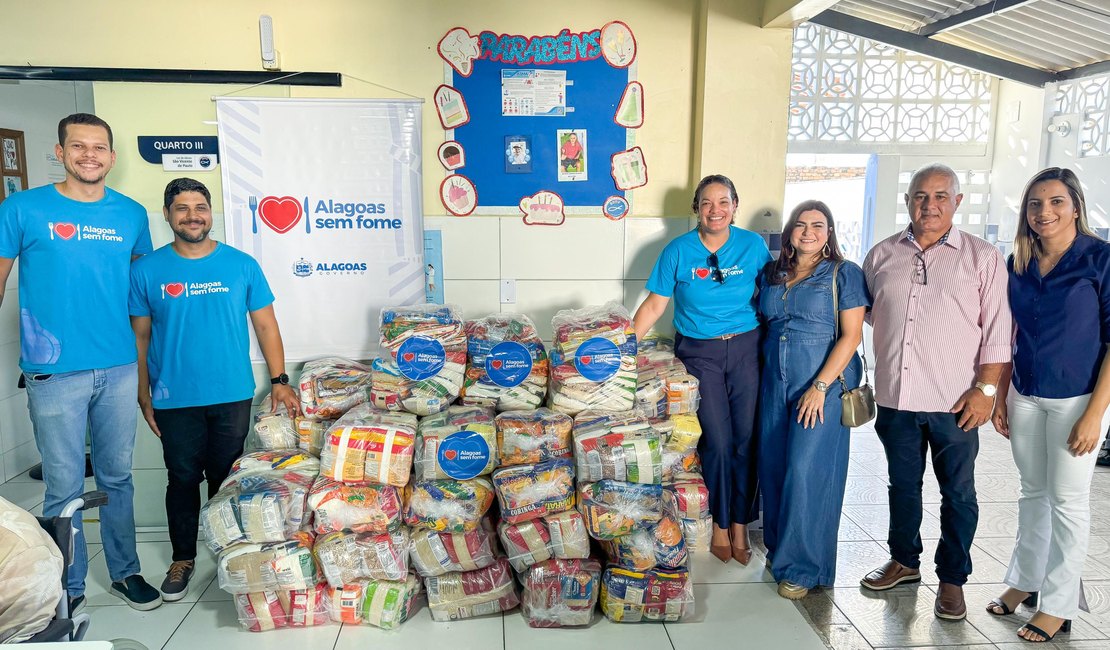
x: 459, y: 49
x: 451, y: 155
x: 618, y: 45
x: 630, y: 110
x: 615, y: 208
x: 544, y: 208
x: 628, y: 169
x: 458, y: 194
x: 451, y: 107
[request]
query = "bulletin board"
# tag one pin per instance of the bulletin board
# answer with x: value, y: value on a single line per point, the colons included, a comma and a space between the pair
x: 515, y: 147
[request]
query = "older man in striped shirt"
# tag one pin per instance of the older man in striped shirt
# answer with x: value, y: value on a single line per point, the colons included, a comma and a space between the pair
x: 942, y: 337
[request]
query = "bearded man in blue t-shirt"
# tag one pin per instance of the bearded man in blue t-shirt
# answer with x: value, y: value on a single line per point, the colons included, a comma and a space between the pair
x: 189, y: 305
x: 75, y: 241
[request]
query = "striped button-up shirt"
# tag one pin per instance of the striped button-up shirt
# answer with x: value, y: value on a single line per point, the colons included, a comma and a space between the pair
x: 938, y: 314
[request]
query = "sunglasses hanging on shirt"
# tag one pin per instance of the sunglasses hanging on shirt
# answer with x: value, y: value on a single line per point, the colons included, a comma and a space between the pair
x: 715, y: 268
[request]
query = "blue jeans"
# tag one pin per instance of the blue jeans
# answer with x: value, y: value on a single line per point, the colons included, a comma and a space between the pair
x: 802, y: 472
x: 63, y: 407
x: 907, y: 436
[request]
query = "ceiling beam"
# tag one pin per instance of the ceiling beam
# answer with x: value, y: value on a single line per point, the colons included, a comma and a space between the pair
x: 151, y: 75
x: 791, y: 13
x: 944, y: 51
x: 971, y: 15
x: 1088, y: 70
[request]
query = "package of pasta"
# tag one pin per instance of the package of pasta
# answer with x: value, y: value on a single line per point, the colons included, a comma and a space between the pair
x: 506, y: 363
x: 428, y: 345
x: 529, y: 491
x: 569, y: 539
x: 560, y: 593
x: 381, y: 603
x: 615, y: 508
x: 459, y: 443
x: 345, y: 557
x: 371, y: 446
x: 257, y: 462
x: 593, y: 360
x: 525, y: 543
x: 668, y: 539
x: 273, y: 428
x: 257, y: 507
x: 268, y: 610
x: 698, y: 533
x: 456, y: 596
x: 527, y: 437
x: 621, y: 446
x: 434, y: 554
x: 369, y: 508
x: 246, y: 568
x: 310, y: 434
x: 654, y: 595
x: 691, y: 496
x: 447, y: 505
x: 332, y: 386
x: 635, y: 551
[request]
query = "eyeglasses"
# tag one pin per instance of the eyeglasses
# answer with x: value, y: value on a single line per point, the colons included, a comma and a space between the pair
x: 920, y: 270
x: 715, y: 267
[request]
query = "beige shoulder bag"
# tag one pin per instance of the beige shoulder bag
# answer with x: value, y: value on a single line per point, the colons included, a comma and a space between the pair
x: 857, y: 405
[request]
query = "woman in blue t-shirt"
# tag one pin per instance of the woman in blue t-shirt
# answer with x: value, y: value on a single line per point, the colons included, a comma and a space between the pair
x: 1056, y: 413
x: 809, y: 359
x: 711, y: 273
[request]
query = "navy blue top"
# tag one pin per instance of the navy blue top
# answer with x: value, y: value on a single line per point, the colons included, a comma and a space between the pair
x: 1063, y: 321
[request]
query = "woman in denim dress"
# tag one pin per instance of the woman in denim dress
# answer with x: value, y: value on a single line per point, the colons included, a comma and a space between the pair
x: 803, y: 459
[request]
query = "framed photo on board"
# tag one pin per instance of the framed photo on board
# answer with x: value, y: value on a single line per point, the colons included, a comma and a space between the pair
x: 13, y: 163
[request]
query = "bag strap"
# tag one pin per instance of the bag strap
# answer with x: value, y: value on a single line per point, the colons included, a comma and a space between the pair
x: 836, y: 329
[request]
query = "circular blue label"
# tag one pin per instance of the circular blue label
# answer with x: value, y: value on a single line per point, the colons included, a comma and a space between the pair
x: 508, y: 364
x: 463, y: 455
x: 420, y: 357
x: 615, y: 207
x: 597, y: 359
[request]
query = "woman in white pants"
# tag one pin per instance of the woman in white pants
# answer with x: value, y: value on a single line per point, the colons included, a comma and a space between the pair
x: 1056, y: 413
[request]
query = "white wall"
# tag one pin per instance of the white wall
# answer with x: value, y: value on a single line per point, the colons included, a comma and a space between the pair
x: 1017, y: 151
x: 33, y: 107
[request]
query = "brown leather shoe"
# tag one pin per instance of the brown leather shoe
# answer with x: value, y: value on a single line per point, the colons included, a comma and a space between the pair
x: 950, y: 602
x: 890, y: 575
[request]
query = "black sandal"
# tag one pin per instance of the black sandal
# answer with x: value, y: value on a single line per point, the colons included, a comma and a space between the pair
x: 1030, y: 601
x: 1065, y: 627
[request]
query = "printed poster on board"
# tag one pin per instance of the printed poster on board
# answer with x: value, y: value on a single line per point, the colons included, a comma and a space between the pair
x: 326, y: 195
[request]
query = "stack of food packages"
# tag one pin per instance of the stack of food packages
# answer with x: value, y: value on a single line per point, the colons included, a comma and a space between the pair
x: 452, y: 545
x: 619, y: 462
x: 506, y: 363
x: 593, y: 360
x: 258, y: 525
x: 329, y: 388
x: 427, y: 359
x: 543, y: 535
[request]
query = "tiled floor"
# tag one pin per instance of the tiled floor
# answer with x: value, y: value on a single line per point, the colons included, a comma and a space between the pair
x: 734, y: 603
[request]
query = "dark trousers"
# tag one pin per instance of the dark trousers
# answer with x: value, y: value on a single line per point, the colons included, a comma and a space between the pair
x: 728, y: 374
x: 198, y: 443
x: 906, y: 435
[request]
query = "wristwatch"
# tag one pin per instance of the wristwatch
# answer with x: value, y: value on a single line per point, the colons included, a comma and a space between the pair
x: 282, y: 379
x: 821, y: 386
x: 990, y: 390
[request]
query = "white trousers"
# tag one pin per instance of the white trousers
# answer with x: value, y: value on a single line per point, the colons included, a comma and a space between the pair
x: 1054, y: 513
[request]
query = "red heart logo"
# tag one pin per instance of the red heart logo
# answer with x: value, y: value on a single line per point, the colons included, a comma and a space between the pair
x: 702, y: 273
x: 496, y: 363
x: 65, y: 230
x: 585, y: 360
x: 450, y: 454
x: 408, y: 356
x: 175, y: 289
x: 280, y: 214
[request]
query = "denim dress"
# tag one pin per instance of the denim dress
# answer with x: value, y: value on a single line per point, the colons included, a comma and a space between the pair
x: 802, y: 471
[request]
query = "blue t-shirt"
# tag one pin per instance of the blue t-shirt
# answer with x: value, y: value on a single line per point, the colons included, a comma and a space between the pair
x: 199, y: 344
x: 703, y: 307
x: 74, y: 259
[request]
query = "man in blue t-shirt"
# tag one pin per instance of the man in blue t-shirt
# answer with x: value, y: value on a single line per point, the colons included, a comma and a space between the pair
x: 189, y: 304
x: 75, y: 241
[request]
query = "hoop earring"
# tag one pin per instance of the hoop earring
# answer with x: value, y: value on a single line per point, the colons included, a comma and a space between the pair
x: 793, y: 250
x: 826, y: 251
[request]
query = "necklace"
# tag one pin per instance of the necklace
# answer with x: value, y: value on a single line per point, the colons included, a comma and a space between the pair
x: 1047, y: 262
